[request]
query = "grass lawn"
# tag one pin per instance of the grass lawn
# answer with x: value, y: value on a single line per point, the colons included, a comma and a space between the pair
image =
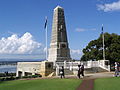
x: 107, y: 84
x: 41, y: 84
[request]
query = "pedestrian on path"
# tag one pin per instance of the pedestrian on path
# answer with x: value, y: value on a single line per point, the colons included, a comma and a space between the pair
x: 79, y: 71
x: 62, y: 74
x: 82, y: 70
x: 117, y: 69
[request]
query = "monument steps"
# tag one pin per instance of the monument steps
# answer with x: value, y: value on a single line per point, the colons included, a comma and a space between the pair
x: 94, y: 70
x: 68, y: 72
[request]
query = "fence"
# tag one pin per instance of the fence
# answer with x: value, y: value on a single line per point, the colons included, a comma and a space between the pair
x: 73, y: 65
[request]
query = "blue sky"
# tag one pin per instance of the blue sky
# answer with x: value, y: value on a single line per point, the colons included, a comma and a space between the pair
x: 23, y: 20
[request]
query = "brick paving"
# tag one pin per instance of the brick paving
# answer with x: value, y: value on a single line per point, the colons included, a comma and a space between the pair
x: 86, y: 85
x: 88, y: 81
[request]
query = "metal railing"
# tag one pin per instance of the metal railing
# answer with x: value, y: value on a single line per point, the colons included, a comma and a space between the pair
x: 87, y: 64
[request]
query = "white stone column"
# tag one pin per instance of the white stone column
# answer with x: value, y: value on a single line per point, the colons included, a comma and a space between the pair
x: 17, y: 73
x: 23, y: 73
x: 65, y: 64
x: 70, y: 65
x: 57, y: 70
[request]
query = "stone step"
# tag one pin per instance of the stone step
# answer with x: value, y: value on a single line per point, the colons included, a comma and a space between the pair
x: 95, y: 70
x: 68, y: 72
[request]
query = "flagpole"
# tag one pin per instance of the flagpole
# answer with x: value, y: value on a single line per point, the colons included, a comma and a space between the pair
x: 45, y: 27
x: 46, y: 39
x: 103, y: 43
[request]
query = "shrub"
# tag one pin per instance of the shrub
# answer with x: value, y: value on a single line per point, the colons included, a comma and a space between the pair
x: 2, y: 75
x: 2, y: 79
x: 35, y: 76
x: 26, y: 76
x: 8, y: 74
x: 17, y: 77
x: 9, y: 78
x: 38, y: 75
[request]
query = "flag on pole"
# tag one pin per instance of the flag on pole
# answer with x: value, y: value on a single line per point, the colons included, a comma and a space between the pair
x: 103, y: 43
x: 45, y: 23
x: 102, y: 28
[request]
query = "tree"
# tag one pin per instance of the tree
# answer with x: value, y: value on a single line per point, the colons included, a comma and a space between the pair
x: 94, y: 49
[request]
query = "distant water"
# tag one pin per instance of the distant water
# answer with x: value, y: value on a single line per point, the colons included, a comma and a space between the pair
x: 10, y: 66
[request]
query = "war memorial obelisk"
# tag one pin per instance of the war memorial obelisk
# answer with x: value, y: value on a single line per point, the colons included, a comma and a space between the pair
x: 59, y: 49
x: 59, y: 52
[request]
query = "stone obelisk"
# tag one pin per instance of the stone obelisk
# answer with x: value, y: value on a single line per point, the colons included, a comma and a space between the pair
x: 59, y: 49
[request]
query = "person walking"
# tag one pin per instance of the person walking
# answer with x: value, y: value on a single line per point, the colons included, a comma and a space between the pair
x: 82, y: 70
x: 117, y: 66
x: 62, y: 74
x: 79, y: 71
x: 118, y: 69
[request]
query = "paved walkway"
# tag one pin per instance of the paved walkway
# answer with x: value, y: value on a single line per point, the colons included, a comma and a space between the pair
x: 88, y: 80
x: 87, y: 76
x: 86, y: 85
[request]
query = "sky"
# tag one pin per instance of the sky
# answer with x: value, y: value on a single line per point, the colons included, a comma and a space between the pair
x: 22, y: 33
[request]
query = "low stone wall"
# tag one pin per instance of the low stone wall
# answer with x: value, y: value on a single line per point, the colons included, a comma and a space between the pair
x: 46, y: 68
x: 31, y: 68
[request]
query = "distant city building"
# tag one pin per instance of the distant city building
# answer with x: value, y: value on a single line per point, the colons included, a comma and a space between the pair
x: 59, y: 49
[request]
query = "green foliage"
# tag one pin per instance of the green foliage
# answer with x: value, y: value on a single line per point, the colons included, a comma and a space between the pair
x: 2, y: 75
x: 8, y: 74
x: 94, y: 49
x: 2, y: 79
x: 41, y: 84
x: 7, y: 78
x: 35, y: 76
x: 107, y: 84
x: 26, y: 76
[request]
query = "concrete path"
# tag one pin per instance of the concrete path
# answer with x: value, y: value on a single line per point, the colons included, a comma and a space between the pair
x: 91, y: 76
x: 99, y: 75
x: 88, y: 80
x: 87, y: 76
x: 86, y: 85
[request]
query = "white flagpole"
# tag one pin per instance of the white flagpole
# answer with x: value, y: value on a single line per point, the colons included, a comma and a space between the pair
x: 103, y: 43
x: 46, y: 38
x: 46, y: 42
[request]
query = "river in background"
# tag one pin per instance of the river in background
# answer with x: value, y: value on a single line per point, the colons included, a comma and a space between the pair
x: 11, y: 65
x: 8, y: 68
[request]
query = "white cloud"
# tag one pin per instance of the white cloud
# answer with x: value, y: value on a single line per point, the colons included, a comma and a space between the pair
x: 80, y: 29
x: 83, y: 29
x: 26, y: 47
x: 20, y: 45
x: 76, y: 53
x: 73, y: 51
x: 115, y: 6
